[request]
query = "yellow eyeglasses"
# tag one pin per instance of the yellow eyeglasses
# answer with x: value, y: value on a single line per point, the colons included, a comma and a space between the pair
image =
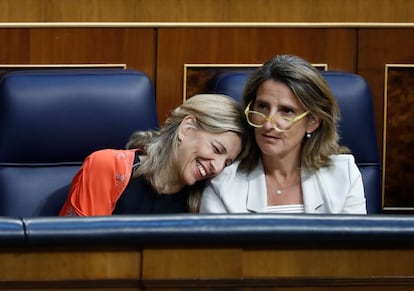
x: 279, y: 123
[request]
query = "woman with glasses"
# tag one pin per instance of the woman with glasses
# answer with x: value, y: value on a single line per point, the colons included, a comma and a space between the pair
x: 162, y: 171
x: 295, y: 164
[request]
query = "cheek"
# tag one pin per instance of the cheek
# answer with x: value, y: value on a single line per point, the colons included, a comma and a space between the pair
x: 188, y: 146
x: 258, y: 135
x: 235, y: 149
x: 239, y: 148
x: 184, y: 154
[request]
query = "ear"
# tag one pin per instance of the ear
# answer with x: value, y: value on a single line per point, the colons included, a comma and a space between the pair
x: 313, y: 123
x: 187, y: 126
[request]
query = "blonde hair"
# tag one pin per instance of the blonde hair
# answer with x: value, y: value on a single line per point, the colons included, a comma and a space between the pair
x: 215, y: 113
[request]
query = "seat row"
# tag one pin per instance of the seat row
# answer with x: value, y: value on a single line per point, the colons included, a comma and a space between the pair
x: 197, y: 230
x: 50, y: 120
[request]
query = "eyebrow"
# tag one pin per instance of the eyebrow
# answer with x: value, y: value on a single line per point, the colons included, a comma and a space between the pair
x: 282, y: 105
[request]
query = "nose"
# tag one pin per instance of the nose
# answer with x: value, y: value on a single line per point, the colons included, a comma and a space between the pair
x: 268, y: 123
x: 217, y: 165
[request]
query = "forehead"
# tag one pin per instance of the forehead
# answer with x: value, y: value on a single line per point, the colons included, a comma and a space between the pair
x: 271, y: 89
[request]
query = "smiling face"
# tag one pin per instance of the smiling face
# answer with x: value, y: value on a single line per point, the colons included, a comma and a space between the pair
x: 203, y: 155
x: 276, y: 99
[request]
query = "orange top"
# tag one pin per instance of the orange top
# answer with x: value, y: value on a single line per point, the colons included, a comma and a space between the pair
x: 99, y: 183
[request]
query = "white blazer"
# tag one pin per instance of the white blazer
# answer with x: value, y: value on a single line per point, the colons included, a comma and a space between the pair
x: 334, y: 189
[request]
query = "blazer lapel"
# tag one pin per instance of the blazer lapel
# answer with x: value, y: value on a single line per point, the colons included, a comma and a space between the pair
x: 256, y: 199
x: 312, y: 197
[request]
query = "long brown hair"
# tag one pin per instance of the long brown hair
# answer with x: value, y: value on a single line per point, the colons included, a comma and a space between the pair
x: 313, y: 92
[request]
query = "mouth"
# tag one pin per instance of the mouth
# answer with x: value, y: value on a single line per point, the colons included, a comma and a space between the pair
x: 201, y: 169
x: 266, y: 136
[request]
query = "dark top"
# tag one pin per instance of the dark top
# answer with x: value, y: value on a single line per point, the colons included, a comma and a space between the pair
x: 140, y: 198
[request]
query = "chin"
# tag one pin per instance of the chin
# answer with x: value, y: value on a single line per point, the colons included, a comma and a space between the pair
x: 190, y: 181
x: 269, y: 151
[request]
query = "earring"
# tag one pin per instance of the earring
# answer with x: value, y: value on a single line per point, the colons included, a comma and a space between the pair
x: 308, y: 135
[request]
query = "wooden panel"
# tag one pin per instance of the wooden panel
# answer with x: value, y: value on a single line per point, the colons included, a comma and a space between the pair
x: 320, y: 263
x: 275, y: 263
x: 215, y: 268
x: 207, y: 10
x: 134, y: 47
x: 193, y: 263
x: 267, y: 268
x: 376, y: 48
x: 177, y: 47
x: 65, y: 267
x: 15, y: 46
x: 280, y: 286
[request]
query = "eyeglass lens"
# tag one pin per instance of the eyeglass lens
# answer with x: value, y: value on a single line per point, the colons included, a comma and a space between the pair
x: 259, y: 119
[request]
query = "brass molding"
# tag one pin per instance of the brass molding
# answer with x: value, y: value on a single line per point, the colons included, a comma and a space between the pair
x: 210, y: 24
x: 47, y: 66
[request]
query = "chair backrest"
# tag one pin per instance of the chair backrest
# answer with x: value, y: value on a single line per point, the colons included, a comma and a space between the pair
x: 50, y: 120
x: 356, y: 128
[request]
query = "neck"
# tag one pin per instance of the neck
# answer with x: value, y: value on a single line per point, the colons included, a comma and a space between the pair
x: 168, y: 181
x: 281, y: 169
x: 281, y: 176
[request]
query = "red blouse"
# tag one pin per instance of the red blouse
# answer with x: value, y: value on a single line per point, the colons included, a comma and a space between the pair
x: 99, y: 183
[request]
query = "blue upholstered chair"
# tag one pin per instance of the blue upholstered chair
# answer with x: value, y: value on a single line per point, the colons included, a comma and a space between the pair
x: 356, y: 128
x: 50, y: 120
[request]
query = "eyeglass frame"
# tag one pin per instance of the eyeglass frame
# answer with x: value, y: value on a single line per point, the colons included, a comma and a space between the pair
x: 292, y: 121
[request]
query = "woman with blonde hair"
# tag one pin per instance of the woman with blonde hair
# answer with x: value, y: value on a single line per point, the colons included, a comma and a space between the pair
x: 165, y: 170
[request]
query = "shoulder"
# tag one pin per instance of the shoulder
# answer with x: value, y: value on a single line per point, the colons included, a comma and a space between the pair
x: 341, y: 184
x: 342, y: 168
x: 233, y: 180
x: 343, y: 162
x: 227, y: 182
x: 224, y: 193
x: 343, y: 158
x: 110, y: 155
x: 110, y: 159
x: 228, y: 174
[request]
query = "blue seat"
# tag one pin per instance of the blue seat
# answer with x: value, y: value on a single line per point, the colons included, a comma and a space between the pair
x: 50, y: 120
x: 356, y: 128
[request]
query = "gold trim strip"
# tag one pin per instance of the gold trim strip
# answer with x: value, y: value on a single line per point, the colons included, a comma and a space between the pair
x: 211, y: 24
x: 23, y: 66
x: 398, y: 208
x: 398, y: 66
x: 384, y: 137
x: 221, y: 65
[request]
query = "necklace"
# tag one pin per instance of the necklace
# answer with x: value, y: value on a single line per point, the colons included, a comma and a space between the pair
x: 281, y: 191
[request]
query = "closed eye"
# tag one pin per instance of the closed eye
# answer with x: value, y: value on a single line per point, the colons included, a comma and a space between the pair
x: 216, y: 149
